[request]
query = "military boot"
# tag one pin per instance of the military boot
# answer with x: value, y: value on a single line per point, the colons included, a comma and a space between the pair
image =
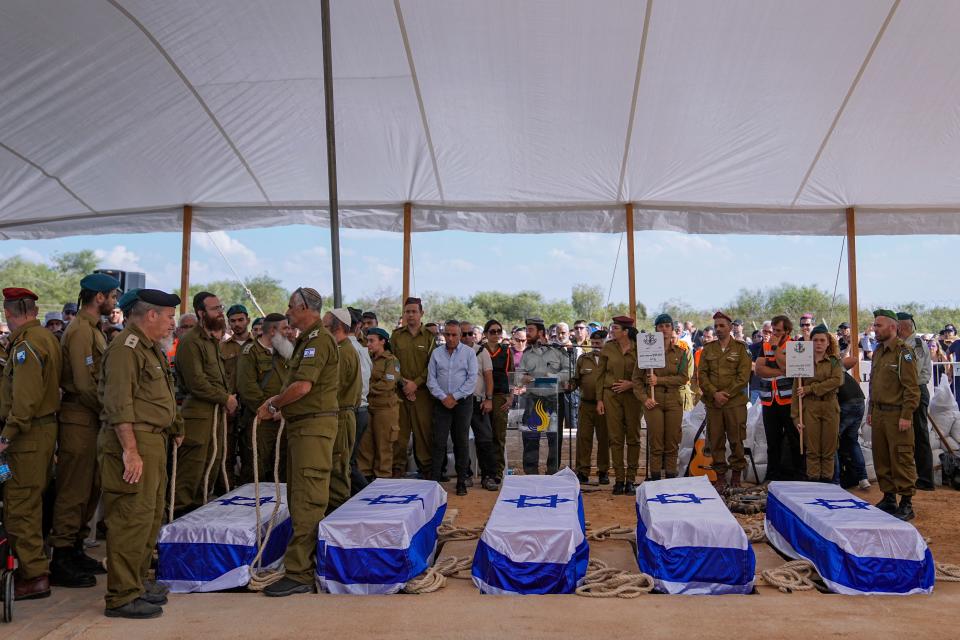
x: 905, y: 510
x: 618, y: 488
x: 888, y: 504
x: 654, y: 475
x: 138, y: 609
x: 629, y: 489
x: 65, y: 573
x: 734, y: 478
x: 85, y: 563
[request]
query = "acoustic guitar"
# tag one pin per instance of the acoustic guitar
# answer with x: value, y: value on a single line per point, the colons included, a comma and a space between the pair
x: 701, y: 463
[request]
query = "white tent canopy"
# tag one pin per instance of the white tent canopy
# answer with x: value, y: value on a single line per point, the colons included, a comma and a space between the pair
x: 501, y: 115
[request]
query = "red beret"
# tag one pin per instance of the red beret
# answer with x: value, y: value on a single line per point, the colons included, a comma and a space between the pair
x: 721, y: 314
x: 623, y: 321
x: 18, y: 293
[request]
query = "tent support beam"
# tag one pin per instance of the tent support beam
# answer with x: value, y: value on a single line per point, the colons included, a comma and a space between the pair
x: 331, y: 152
x: 631, y: 269
x: 185, y: 258
x: 852, y: 287
x: 407, y: 236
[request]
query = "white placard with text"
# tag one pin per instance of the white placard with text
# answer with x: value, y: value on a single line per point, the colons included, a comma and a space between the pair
x: 650, y: 353
x: 799, y: 359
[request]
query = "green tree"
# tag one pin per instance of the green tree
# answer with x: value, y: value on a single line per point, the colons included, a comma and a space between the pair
x: 268, y: 292
x: 384, y: 302
x: 587, y: 301
x: 76, y: 262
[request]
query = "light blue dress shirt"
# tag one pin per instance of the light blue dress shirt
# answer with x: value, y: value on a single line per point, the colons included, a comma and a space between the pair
x: 453, y: 374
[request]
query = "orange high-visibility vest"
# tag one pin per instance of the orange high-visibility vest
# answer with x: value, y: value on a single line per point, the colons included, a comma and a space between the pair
x: 780, y: 388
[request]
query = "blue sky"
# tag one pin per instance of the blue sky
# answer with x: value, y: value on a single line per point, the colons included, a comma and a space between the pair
x: 704, y: 270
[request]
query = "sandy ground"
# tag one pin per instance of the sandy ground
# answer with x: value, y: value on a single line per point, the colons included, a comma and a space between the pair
x: 459, y: 611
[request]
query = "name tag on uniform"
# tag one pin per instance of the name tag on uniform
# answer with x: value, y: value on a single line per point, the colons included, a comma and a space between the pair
x: 309, y: 353
x: 585, y: 370
x: 420, y: 346
x: 390, y: 376
x: 89, y: 360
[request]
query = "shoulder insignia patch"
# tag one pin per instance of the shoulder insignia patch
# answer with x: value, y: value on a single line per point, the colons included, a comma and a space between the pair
x: 313, y: 334
x: 397, y: 367
x: 21, y: 356
x: 132, y: 341
x: 88, y: 361
x: 907, y: 357
x: 247, y: 348
x: 309, y: 353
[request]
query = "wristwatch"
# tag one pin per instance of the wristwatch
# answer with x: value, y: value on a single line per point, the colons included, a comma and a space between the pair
x: 488, y: 397
x: 4, y: 440
x: 271, y: 408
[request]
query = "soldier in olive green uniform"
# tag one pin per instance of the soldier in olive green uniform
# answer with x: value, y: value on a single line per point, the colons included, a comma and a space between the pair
x: 621, y: 408
x: 139, y: 415
x: 821, y: 410
x: 375, y: 458
x: 590, y: 423
x: 78, y: 481
x: 205, y: 386
x: 894, y: 396
x: 725, y: 367
x: 29, y: 399
x: 348, y: 399
x: 261, y: 373
x: 309, y: 405
x: 238, y: 425
x: 412, y: 345
x: 664, y: 408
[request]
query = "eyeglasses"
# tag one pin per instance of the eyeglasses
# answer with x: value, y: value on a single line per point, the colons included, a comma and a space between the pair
x: 495, y: 331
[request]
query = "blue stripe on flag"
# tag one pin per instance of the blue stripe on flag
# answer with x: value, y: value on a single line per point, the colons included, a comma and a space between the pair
x: 380, y: 566
x: 497, y: 570
x: 203, y: 562
x: 868, y: 574
x: 713, y: 565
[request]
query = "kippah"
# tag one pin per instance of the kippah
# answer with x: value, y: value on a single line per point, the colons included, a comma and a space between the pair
x: 342, y: 315
x: 99, y: 282
x: 237, y: 308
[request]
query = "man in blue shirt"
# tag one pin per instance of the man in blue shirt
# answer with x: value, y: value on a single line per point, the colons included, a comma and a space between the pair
x: 452, y: 380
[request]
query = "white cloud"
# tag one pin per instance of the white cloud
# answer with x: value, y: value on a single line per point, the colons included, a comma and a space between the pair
x: 119, y: 257
x: 311, y: 261
x: 31, y: 255
x: 239, y: 254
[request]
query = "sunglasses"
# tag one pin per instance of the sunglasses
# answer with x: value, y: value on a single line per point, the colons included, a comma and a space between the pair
x: 807, y: 324
x: 495, y: 331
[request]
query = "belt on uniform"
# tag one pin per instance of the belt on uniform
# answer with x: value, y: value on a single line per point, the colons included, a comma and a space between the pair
x: 307, y: 416
x: 582, y: 401
x: 149, y: 428
x: 887, y: 407
x: 346, y: 410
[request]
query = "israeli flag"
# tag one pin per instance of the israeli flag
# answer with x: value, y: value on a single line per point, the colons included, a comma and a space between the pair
x: 689, y: 541
x: 380, y: 538
x: 856, y: 548
x: 213, y: 547
x: 535, y: 541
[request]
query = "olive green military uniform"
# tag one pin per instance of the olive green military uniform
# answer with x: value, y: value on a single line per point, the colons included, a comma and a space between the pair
x: 204, y: 385
x: 261, y: 374
x: 311, y: 432
x: 136, y: 387
x: 29, y: 398
x: 238, y: 429
x: 78, y: 481
x: 348, y: 398
x: 726, y: 370
x: 894, y: 395
x: 590, y: 422
x: 413, y: 352
x: 821, y: 417
x: 664, y: 421
x: 375, y: 457
x: 622, y: 411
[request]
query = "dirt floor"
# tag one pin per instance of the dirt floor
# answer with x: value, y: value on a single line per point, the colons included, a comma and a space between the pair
x: 459, y: 611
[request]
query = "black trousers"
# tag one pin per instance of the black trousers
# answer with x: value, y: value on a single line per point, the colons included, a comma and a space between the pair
x: 483, y: 439
x: 784, y: 461
x: 922, y: 453
x: 453, y: 423
x: 357, y: 481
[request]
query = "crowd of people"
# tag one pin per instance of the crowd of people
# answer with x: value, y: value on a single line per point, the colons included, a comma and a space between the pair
x: 115, y: 388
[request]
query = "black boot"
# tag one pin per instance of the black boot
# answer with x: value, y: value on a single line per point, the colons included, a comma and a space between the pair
x: 654, y: 475
x: 905, y: 510
x: 138, y: 609
x: 461, y: 488
x: 583, y: 478
x: 85, y: 563
x: 629, y: 489
x: 618, y: 488
x: 888, y: 504
x: 64, y: 573
x: 604, y: 477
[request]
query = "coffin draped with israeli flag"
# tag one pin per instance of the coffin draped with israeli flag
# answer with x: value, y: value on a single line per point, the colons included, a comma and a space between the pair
x: 534, y: 542
x: 688, y: 540
x: 213, y: 547
x: 856, y: 548
x: 380, y: 538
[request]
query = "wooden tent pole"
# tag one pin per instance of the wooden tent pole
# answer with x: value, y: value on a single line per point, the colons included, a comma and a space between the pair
x: 407, y: 231
x: 631, y: 268
x: 852, y: 287
x: 185, y: 259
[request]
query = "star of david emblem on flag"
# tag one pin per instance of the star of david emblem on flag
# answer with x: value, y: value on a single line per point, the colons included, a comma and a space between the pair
x: 392, y: 499
x: 549, y: 502
x: 244, y: 501
x: 678, y: 498
x: 845, y: 503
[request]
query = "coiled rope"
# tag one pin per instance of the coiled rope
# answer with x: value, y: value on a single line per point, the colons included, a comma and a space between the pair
x: 449, y: 533
x: 603, y: 581
x: 613, y: 531
x: 792, y: 576
x: 435, y: 577
x: 948, y: 572
x: 261, y: 578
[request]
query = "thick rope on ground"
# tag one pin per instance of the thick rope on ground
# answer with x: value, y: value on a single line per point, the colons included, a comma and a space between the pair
x: 603, y: 581
x: 948, y: 572
x: 261, y: 578
x: 435, y: 578
x: 447, y: 533
x: 610, y: 531
x: 792, y: 576
x: 746, y: 500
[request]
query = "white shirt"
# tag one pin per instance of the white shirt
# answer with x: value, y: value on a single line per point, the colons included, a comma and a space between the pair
x: 366, y: 367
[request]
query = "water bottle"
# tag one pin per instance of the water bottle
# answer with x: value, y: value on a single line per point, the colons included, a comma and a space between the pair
x: 5, y: 472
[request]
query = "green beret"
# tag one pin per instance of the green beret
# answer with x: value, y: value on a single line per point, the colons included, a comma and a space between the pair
x: 237, y: 308
x: 903, y: 315
x: 819, y: 329
x: 886, y: 313
x: 99, y: 282
x: 663, y: 318
x: 128, y: 299
x: 377, y: 331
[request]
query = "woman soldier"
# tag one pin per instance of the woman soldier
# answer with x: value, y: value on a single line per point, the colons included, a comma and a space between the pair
x: 664, y: 408
x: 621, y: 408
x: 375, y: 456
x: 820, y: 422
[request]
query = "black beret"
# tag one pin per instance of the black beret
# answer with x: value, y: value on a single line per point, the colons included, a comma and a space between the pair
x: 158, y: 298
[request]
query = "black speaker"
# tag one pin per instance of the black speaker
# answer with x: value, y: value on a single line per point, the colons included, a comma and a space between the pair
x: 128, y: 279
